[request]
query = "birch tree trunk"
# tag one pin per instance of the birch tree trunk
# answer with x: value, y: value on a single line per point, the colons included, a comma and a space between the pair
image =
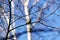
x: 12, y: 26
x: 27, y: 18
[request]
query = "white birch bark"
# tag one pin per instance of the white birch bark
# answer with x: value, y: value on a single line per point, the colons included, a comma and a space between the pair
x: 35, y: 1
x: 7, y: 18
x: 12, y: 26
x: 2, y: 28
x: 27, y: 18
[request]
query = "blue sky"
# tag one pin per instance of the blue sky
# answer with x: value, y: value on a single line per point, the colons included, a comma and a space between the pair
x: 52, y: 20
